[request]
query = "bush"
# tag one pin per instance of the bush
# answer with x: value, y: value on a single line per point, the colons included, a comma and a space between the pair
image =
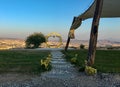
x: 34, y: 40
x: 82, y: 46
x: 74, y: 59
x: 45, y: 63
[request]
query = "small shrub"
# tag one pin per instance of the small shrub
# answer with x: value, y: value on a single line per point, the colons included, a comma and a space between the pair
x: 82, y: 46
x: 89, y: 70
x: 74, y: 59
x: 45, y: 63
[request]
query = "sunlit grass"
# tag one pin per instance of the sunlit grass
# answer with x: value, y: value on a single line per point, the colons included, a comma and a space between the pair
x: 21, y: 61
x: 105, y: 61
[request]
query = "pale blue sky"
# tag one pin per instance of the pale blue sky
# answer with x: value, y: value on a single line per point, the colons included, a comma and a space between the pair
x: 19, y: 18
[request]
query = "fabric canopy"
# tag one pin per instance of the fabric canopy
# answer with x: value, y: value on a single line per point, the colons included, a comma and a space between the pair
x: 110, y: 9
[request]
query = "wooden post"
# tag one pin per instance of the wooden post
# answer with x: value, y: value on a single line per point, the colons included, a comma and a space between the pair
x: 68, y: 40
x: 94, y: 32
x: 67, y: 44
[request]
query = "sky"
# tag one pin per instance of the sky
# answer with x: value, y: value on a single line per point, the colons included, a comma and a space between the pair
x: 20, y: 18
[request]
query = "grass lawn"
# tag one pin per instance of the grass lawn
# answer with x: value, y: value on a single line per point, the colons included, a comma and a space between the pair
x: 21, y: 61
x: 105, y: 61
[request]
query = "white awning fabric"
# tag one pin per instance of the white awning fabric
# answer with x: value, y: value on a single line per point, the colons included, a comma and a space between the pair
x: 110, y: 9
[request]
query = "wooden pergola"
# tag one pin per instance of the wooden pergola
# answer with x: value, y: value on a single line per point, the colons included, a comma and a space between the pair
x: 99, y: 9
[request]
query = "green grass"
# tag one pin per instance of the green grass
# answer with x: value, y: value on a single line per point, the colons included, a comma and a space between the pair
x: 105, y: 61
x: 21, y: 61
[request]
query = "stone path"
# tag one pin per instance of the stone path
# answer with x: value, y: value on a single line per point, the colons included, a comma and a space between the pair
x: 60, y: 68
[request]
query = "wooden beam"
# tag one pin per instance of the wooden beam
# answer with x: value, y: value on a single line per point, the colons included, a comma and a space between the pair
x: 67, y: 44
x: 68, y: 40
x: 94, y: 32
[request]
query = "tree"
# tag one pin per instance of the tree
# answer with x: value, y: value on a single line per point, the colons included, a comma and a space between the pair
x: 34, y: 40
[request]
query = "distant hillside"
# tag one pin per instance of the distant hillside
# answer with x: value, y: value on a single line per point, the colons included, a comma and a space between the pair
x: 2, y: 38
x: 99, y: 43
x: 9, y: 43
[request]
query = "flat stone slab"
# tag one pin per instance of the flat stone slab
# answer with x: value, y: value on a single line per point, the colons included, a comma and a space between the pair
x: 62, y: 66
x: 56, y: 59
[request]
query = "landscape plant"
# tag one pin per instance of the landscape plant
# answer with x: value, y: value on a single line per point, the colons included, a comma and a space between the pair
x: 46, y: 63
x: 89, y: 70
x: 82, y: 46
x: 74, y: 59
x: 34, y: 40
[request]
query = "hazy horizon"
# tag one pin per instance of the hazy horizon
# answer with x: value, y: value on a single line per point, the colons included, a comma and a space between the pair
x: 65, y: 39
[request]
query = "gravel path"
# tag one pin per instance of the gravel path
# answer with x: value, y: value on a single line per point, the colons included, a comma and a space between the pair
x: 60, y: 68
x: 63, y: 74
